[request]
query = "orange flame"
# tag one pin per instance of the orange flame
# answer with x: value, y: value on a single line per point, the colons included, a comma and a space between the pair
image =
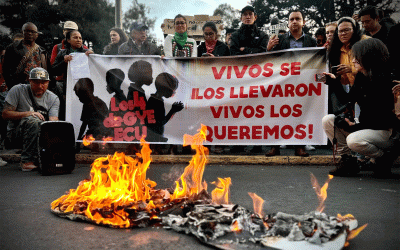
x: 191, y: 179
x: 354, y: 233
x: 106, y: 139
x: 341, y: 218
x: 235, y: 227
x: 87, y: 140
x: 321, y: 192
x: 115, y: 181
x: 221, y: 194
x: 257, y: 204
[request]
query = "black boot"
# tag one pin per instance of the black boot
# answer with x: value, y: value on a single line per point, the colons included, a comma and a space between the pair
x: 347, y: 166
x: 383, y: 164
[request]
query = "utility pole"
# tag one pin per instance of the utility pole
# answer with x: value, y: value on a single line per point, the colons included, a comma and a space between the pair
x: 118, y: 18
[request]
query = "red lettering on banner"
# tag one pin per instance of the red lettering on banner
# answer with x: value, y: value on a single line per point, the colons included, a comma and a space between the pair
x: 195, y: 94
x: 301, y: 133
x: 232, y: 132
x: 118, y: 134
x: 292, y: 68
x: 235, y: 113
x: 216, y: 113
x: 265, y: 93
x: 232, y: 93
x: 258, y: 132
x: 242, y: 94
x: 277, y: 91
x: 286, y: 111
x: 257, y: 73
x: 229, y: 73
x: 268, y: 70
x: 271, y: 131
x: 218, y: 75
x: 295, y: 68
x: 285, y: 69
x: 253, y: 92
x: 240, y: 74
x: 244, y: 132
x: 289, y: 90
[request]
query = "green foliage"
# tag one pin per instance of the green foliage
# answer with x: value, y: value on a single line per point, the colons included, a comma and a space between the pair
x: 229, y: 15
x: 138, y: 13
x: 94, y: 17
x: 317, y: 12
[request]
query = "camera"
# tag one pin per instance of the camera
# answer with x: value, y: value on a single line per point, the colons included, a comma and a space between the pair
x: 346, y: 111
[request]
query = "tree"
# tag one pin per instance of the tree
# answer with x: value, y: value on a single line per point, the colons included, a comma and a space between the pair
x: 317, y: 13
x: 138, y: 13
x: 230, y: 16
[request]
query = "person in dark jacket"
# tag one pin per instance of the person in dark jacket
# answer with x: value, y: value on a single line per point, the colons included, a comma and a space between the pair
x: 248, y: 39
x: 117, y: 37
x: 212, y: 46
x: 138, y: 44
x: 295, y: 38
x: 372, y: 90
x: 24, y: 55
x: 74, y: 44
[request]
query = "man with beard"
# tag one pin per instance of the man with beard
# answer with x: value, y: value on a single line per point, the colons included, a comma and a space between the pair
x: 295, y: 38
x: 248, y: 39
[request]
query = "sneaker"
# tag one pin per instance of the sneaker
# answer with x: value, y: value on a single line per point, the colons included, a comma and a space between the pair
x: 2, y: 162
x: 347, y: 166
x: 310, y: 148
x: 27, y: 166
x: 383, y: 164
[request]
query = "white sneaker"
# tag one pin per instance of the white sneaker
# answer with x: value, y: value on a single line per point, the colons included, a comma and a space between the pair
x: 310, y: 148
x: 2, y: 162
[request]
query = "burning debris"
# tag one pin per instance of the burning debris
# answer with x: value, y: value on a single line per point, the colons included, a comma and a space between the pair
x: 119, y: 195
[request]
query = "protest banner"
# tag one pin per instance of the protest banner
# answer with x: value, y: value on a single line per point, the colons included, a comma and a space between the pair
x: 271, y: 98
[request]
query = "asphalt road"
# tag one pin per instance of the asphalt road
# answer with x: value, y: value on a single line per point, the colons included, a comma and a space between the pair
x: 27, y: 223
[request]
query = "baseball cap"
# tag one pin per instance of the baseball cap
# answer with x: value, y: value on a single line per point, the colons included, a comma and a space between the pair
x: 248, y: 7
x: 138, y: 26
x: 39, y: 74
x: 69, y: 25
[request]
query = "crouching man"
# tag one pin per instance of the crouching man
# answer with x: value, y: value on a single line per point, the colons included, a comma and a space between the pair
x: 26, y: 107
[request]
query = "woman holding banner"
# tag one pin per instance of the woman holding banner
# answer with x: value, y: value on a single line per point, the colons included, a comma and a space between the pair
x: 179, y: 44
x: 212, y: 46
x: 74, y: 44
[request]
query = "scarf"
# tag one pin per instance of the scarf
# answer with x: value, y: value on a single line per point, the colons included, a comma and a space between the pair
x: 210, y: 46
x: 180, y: 38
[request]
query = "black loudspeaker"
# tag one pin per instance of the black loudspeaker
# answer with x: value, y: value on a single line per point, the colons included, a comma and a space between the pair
x: 56, y: 148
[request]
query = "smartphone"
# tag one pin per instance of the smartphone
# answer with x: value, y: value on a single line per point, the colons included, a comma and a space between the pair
x: 205, y: 54
x: 334, y: 69
x: 320, y: 77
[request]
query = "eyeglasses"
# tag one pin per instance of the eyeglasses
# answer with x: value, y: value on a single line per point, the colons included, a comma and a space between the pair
x: 180, y: 23
x: 345, y: 31
x: 209, y: 33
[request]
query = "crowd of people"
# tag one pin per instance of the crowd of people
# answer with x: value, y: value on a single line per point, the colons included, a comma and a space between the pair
x: 362, y: 77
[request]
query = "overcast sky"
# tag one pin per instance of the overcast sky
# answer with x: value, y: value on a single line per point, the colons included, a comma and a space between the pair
x: 170, y: 8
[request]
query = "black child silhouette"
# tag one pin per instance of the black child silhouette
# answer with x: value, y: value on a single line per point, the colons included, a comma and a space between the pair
x: 166, y: 84
x: 94, y: 110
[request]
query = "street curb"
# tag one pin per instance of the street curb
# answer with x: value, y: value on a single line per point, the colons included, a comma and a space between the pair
x: 317, y: 160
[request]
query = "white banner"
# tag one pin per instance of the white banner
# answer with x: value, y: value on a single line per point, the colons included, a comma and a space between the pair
x: 264, y: 99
